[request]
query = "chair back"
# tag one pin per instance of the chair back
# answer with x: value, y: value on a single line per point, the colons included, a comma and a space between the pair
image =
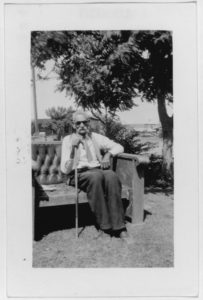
x: 47, y: 155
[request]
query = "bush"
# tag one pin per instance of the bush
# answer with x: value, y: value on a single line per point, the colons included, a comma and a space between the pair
x: 126, y: 137
x: 60, y: 123
x: 154, y: 174
x: 60, y: 128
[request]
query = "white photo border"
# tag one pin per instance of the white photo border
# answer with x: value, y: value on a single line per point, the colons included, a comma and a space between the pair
x: 25, y: 281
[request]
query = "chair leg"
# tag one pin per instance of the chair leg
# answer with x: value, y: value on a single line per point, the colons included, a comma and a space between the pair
x: 137, y: 195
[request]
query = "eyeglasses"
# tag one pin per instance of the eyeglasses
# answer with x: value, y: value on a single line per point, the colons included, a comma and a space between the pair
x: 78, y: 123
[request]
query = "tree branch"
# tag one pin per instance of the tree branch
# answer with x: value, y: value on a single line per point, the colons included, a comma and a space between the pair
x: 98, y: 117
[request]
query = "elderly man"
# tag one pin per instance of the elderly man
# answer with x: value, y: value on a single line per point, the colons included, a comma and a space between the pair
x: 102, y: 185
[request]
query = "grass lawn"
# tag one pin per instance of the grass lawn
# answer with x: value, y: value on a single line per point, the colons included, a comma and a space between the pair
x: 152, y: 242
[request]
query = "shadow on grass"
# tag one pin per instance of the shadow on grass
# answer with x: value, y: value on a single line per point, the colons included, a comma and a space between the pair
x: 167, y: 190
x: 128, y: 218
x: 54, y: 218
x: 146, y: 214
x: 49, y: 219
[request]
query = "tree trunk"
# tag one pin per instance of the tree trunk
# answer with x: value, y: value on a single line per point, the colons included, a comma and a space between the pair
x: 167, y: 133
x: 168, y: 151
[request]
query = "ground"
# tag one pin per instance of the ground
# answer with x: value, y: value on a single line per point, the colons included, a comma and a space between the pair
x: 151, y: 243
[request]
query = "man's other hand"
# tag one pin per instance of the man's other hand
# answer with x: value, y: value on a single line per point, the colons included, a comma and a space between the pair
x: 105, y: 163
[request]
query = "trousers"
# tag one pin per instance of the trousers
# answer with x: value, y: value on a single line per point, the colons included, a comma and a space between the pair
x: 103, y: 189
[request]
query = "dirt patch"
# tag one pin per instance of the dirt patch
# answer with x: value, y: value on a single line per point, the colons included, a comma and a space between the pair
x: 151, y: 242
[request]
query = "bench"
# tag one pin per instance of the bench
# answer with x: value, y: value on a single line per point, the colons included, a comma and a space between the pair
x: 51, y: 187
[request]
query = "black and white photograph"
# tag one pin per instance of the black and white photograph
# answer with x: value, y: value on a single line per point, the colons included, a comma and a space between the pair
x: 101, y: 149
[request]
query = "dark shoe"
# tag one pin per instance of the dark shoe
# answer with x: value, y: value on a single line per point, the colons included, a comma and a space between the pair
x: 104, y: 234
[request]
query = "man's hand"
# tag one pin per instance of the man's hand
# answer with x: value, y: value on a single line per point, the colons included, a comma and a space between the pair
x: 105, y: 163
x: 76, y: 142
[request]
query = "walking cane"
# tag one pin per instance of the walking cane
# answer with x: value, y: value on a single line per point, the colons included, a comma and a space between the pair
x: 76, y: 194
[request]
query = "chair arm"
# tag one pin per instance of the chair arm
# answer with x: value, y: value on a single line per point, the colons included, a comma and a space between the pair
x: 130, y: 169
x: 138, y: 159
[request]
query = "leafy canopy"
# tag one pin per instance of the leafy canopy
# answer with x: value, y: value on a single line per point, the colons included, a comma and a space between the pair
x: 107, y: 69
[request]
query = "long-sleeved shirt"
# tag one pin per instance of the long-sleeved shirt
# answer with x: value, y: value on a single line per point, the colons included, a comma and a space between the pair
x: 96, y: 142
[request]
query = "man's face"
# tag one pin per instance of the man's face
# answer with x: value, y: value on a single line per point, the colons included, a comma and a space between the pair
x: 81, y: 125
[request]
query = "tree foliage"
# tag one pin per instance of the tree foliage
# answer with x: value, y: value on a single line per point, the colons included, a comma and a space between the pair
x: 60, y: 113
x: 61, y: 121
x: 46, y: 45
x: 99, y: 71
x: 105, y: 70
x: 157, y: 64
x: 97, y: 67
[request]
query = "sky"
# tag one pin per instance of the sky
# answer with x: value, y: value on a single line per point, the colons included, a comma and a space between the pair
x: 48, y: 97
